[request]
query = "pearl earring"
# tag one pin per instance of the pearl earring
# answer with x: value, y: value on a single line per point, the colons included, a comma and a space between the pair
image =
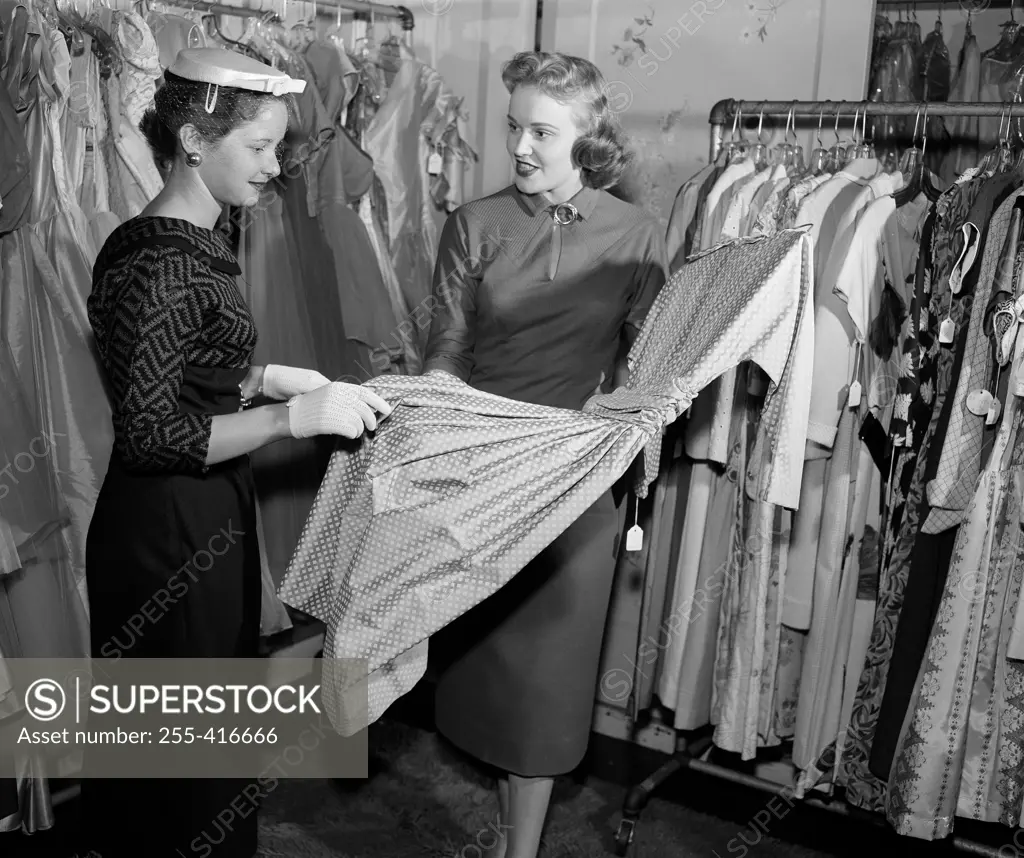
x: 193, y: 159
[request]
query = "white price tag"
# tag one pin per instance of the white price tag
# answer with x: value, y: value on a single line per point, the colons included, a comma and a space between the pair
x: 946, y: 331
x: 434, y: 163
x: 853, y: 400
x: 979, y: 402
x: 993, y: 412
x: 635, y: 538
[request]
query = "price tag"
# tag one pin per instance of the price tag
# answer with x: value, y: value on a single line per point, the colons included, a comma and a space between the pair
x: 993, y: 412
x: 910, y: 438
x: 946, y: 331
x: 853, y: 397
x: 434, y: 163
x: 635, y: 538
x: 979, y: 402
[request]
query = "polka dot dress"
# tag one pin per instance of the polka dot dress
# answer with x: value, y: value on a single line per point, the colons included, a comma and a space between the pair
x: 458, y: 489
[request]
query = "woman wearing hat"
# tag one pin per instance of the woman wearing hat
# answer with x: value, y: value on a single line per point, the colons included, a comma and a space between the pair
x: 173, y: 537
x: 541, y: 319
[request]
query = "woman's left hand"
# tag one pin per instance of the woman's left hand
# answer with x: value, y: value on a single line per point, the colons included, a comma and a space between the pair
x: 284, y: 382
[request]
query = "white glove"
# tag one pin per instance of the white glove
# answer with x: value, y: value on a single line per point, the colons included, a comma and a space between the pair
x: 284, y: 382
x: 336, y: 408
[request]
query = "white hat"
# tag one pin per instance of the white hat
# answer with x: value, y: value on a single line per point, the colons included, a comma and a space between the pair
x: 220, y: 67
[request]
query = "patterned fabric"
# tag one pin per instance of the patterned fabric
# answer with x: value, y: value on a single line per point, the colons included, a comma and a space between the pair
x: 760, y: 284
x: 134, y: 178
x: 767, y: 220
x: 962, y: 748
x: 158, y: 310
x: 960, y: 465
x: 795, y: 196
x: 459, y: 488
x: 904, y: 505
x: 863, y: 789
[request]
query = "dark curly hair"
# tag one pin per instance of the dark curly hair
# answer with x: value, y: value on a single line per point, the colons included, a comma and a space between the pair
x: 600, y: 152
x: 181, y: 102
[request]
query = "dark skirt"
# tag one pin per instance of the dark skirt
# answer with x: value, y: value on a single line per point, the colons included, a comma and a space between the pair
x: 518, y: 673
x: 173, y: 570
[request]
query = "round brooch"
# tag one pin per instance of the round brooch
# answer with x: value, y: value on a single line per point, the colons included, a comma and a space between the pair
x: 565, y: 214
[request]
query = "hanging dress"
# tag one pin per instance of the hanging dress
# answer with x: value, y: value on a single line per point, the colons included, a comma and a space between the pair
x: 45, y: 269
x: 960, y: 747
x: 134, y: 179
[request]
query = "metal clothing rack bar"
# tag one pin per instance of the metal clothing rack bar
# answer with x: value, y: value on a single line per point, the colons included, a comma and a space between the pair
x: 324, y: 8
x: 365, y: 9
x: 965, y: 6
x: 723, y: 113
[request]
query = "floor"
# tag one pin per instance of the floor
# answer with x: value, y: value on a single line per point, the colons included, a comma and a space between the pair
x: 423, y: 799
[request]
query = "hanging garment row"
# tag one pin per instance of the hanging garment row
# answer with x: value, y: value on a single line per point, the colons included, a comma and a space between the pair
x: 335, y: 259
x: 873, y: 626
x: 908, y: 66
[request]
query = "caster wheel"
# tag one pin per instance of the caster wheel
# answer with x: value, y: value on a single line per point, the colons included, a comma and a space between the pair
x: 624, y: 836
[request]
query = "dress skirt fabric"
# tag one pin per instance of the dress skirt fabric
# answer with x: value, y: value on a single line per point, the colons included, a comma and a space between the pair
x: 519, y: 671
x: 182, y: 549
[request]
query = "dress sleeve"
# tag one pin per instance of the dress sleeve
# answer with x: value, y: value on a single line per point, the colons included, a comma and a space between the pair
x: 456, y: 278
x: 651, y: 274
x: 158, y: 318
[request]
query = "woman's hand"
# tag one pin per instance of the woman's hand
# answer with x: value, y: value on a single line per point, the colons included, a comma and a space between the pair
x: 284, y: 382
x: 252, y: 383
x: 336, y: 408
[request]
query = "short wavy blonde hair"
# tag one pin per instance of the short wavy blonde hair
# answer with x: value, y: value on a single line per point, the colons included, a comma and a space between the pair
x: 600, y: 152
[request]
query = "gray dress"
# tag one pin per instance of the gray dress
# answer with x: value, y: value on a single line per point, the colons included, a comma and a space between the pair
x: 517, y: 675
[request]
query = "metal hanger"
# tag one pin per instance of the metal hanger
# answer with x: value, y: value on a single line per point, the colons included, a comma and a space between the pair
x: 759, y: 152
x: 819, y: 157
x: 837, y: 154
x: 736, y: 148
x: 791, y: 155
x: 852, y: 149
x: 863, y: 148
x: 920, y: 179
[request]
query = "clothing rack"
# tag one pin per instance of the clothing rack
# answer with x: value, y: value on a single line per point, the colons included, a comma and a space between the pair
x: 724, y: 112
x: 691, y: 756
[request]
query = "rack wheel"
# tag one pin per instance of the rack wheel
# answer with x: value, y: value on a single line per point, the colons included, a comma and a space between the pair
x: 624, y: 836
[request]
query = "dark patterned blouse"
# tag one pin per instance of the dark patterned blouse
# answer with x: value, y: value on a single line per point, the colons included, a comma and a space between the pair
x: 165, y: 305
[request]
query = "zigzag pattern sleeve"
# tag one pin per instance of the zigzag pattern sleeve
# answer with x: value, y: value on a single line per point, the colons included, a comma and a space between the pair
x: 157, y: 320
